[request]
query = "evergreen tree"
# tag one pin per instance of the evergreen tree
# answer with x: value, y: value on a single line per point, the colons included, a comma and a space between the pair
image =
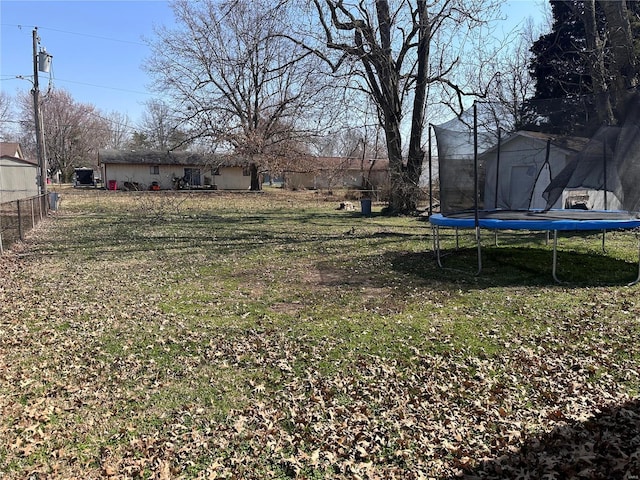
x: 563, y: 99
x: 581, y: 82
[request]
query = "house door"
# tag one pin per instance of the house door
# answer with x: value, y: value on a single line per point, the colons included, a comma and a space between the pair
x: 521, y: 184
x: 192, y: 177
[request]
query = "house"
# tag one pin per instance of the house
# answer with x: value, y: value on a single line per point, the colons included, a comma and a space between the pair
x: 18, y: 176
x: 165, y: 170
x: 527, y: 162
x: 338, y: 172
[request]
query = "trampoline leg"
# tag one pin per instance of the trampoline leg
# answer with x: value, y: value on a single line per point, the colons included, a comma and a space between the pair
x: 436, y: 244
x: 555, y: 256
x: 604, y: 234
x: 638, y: 277
x: 479, y: 244
x: 433, y: 238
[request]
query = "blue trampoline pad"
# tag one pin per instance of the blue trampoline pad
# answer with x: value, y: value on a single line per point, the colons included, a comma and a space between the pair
x: 557, y: 220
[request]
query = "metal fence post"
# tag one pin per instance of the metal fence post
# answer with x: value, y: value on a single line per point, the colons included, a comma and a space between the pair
x: 20, y: 222
x: 33, y: 213
x: 8, y: 218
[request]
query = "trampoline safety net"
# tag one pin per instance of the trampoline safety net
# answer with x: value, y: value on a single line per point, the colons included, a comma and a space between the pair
x: 482, y: 168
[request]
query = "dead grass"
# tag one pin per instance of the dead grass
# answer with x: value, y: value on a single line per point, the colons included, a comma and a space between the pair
x: 271, y: 336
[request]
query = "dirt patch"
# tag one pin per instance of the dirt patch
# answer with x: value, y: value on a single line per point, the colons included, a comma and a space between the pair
x: 288, y: 308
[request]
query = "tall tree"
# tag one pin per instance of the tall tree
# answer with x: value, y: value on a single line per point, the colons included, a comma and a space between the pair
x: 400, y: 50
x: 236, y: 80
x: 160, y: 127
x: 562, y: 102
x: 585, y: 67
x: 7, y: 126
x: 73, y: 131
x: 617, y: 47
x: 514, y: 84
x: 120, y: 127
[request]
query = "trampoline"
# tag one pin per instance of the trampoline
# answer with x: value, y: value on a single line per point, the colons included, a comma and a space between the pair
x: 531, y: 181
x: 549, y: 221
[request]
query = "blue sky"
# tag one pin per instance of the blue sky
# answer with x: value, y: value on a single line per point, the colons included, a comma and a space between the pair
x: 98, y: 48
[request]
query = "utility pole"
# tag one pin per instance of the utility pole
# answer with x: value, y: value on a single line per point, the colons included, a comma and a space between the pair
x: 42, y: 160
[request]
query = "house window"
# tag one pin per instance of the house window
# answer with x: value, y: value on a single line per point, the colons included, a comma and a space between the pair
x: 154, y: 169
x: 246, y: 171
x: 216, y: 171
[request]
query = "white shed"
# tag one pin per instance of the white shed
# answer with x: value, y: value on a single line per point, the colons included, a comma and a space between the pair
x: 18, y: 176
x: 518, y: 173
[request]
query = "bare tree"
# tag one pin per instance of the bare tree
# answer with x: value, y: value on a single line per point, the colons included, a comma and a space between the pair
x: 512, y: 83
x: 596, y: 63
x: 624, y: 69
x: 160, y: 127
x: 73, y: 131
x: 236, y: 81
x: 7, y: 127
x: 402, y: 51
x: 120, y: 127
x: 610, y: 53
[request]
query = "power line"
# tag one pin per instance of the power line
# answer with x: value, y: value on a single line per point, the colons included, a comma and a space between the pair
x: 4, y: 78
x: 89, y: 35
x: 103, y: 86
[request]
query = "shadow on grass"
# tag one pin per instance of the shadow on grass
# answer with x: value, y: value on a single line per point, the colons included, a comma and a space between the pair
x: 284, y: 229
x: 130, y: 234
x: 221, y: 234
x: 511, y: 266
x: 606, y: 446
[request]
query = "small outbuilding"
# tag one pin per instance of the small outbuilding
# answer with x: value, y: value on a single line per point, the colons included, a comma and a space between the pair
x: 166, y: 170
x: 18, y: 176
x: 517, y: 174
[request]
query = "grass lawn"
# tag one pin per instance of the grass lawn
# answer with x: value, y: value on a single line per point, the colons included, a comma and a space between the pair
x: 271, y: 336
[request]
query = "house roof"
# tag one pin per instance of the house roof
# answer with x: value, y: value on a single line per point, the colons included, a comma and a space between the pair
x: 11, y: 149
x: 155, y: 157
x: 314, y: 164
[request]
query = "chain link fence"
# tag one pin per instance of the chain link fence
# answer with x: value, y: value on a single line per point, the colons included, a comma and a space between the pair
x: 20, y: 216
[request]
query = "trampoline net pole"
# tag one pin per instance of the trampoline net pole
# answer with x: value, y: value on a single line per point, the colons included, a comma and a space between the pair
x: 495, y: 201
x: 430, y: 175
x: 475, y: 163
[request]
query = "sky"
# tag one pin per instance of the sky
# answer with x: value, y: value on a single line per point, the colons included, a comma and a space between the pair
x: 99, y: 47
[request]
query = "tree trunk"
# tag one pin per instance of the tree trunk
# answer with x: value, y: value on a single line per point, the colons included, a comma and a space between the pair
x: 398, y: 196
x: 595, y: 50
x: 405, y: 179
x: 624, y: 74
x: 255, y: 178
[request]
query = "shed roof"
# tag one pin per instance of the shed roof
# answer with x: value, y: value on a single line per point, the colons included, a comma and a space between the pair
x: 569, y: 144
x: 11, y: 149
x: 17, y: 160
x: 155, y: 157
